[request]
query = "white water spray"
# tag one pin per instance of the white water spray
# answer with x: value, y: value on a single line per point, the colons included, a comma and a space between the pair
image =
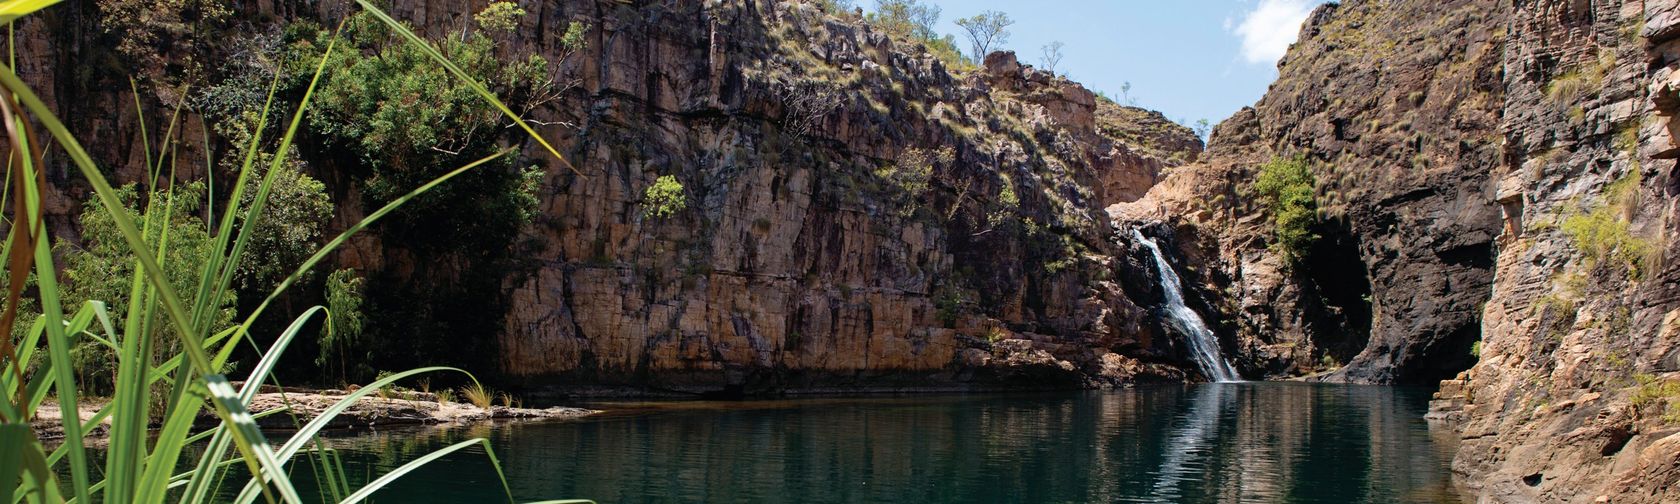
x: 1204, y: 345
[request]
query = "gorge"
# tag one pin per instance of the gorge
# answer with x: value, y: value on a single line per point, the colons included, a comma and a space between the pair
x: 1463, y: 199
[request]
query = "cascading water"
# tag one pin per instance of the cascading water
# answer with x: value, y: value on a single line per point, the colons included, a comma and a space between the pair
x: 1204, y: 345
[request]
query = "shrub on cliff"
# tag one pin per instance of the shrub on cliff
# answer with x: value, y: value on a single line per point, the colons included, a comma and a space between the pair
x: 1570, y: 88
x: 1285, y: 188
x: 390, y: 118
x: 837, y: 7
x: 664, y: 198
x: 912, y: 175
x: 1602, y: 231
x: 404, y: 121
x: 914, y: 21
x: 165, y: 42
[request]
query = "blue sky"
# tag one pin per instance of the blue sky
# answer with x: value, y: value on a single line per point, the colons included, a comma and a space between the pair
x: 1190, y: 59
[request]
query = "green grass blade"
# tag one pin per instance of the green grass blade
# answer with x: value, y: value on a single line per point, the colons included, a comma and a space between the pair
x: 325, y: 250
x: 248, y: 437
x: 140, y: 114
x: 171, y: 439
x: 107, y: 197
x: 308, y: 431
x: 197, y: 488
x: 39, y: 477
x: 211, y: 466
x: 388, y: 478
x: 45, y: 377
x: 58, y: 343
x: 10, y: 10
x: 259, y: 374
x: 128, y: 430
x: 15, y: 437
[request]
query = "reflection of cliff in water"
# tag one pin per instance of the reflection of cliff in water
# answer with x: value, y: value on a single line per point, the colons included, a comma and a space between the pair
x: 1266, y: 442
x: 1261, y: 442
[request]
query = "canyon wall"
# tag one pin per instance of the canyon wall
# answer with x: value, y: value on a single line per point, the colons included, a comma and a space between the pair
x: 797, y: 265
x: 1493, y: 183
x: 858, y: 215
x: 1502, y: 172
x: 1574, y: 398
x: 1396, y: 107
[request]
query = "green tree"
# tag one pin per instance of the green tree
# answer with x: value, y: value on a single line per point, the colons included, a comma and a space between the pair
x: 291, y: 225
x: 102, y: 269
x: 914, y: 21
x: 664, y: 198
x: 341, y: 339
x: 1285, y: 187
x: 390, y: 119
x: 906, y: 19
x: 987, y: 31
x: 499, y: 17
x: 406, y: 121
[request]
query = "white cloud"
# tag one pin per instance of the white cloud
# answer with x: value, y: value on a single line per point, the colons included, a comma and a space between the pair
x: 1268, y: 30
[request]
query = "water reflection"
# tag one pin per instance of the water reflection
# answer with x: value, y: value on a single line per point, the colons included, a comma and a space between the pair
x: 1191, y: 442
x: 1235, y: 442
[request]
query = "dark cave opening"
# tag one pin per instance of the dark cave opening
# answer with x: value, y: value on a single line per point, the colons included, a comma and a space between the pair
x: 1336, y: 288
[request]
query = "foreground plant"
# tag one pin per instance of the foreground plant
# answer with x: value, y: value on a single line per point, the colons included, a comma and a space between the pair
x: 169, y: 345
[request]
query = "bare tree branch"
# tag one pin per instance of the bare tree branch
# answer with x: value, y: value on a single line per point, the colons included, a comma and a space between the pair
x: 987, y: 31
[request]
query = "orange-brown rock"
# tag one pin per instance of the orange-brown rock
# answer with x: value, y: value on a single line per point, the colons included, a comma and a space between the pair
x: 800, y: 260
x: 1396, y: 106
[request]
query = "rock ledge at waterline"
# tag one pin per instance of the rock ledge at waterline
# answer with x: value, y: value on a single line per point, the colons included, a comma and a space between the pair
x: 372, y: 411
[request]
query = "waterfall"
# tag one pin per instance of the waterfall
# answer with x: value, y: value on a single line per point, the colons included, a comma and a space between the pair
x: 1204, y: 345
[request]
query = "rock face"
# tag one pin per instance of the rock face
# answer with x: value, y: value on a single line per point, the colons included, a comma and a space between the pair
x: 1574, y: 398
x: 1529, y: 207
x: 797, y: 266
x: 1494, y: 179
x: 1396, y: 105
x: 858, y: 216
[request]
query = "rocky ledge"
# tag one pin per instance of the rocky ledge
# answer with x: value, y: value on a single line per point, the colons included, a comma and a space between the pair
x: 400, y: 408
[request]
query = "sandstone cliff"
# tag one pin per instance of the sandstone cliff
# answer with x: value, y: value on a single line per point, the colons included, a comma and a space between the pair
x: 1396, y: 105
x: 1573, y: 399
x: 1501, y: 171
x: 859, y: 215
x: 798, y: 267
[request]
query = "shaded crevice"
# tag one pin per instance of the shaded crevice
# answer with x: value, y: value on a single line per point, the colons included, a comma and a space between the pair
x: 1336, y: 292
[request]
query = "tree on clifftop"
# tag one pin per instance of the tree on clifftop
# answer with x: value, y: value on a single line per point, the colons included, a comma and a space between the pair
x: 987, y: 31
x: 1052, y: 56
x: 906, y: 18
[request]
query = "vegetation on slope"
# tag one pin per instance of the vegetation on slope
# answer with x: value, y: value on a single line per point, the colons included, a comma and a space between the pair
x: 390, y: 146
x: 166, y: 325
x: 1285, y: 187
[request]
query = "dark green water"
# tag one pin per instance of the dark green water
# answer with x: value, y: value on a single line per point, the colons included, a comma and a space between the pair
x: 1248, y: 442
